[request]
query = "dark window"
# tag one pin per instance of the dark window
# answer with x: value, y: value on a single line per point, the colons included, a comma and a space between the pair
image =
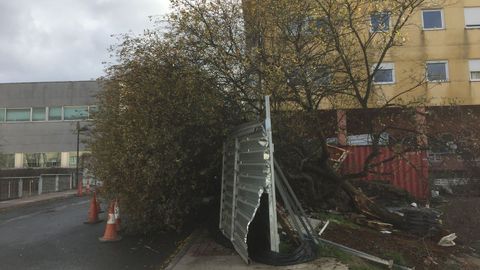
x: 437, y: 71
x: 432, y: 19
x: 380, y: 21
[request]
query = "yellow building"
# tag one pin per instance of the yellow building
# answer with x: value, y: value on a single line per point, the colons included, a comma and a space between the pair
x: 442, y: 47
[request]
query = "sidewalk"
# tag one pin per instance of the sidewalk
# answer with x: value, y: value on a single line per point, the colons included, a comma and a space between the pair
x: 4, y: 205
x: 202, y: 253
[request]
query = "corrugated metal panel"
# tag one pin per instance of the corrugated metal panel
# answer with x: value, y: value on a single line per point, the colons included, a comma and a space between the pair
x: 8, y: 189
x: 247, y: 174
x: 48, y: 183
x: 408, y: 171
x: 30, y: 186
x: 64, y: 182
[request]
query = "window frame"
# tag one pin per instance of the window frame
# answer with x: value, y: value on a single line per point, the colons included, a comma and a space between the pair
x: 4, y: 120
x: 45, y: 110
x: 61, y: 113
x: 476, y: 26
x: 388, y: 25
x: 19, y: 108
x: 447, y: 77
x: 470, y: 61
x: 382, y: 65
x: 442, y: 16
x: 76, y: 106
x: 92, y: 109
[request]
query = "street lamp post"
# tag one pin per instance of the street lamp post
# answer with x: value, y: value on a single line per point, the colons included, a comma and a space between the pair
x: 79, y: 183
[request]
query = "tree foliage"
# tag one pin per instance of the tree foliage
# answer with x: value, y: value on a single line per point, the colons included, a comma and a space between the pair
x: 166, y: 105
x: 158, y: 133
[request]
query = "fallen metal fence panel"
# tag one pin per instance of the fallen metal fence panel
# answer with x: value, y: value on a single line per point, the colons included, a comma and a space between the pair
x: 248, y: 172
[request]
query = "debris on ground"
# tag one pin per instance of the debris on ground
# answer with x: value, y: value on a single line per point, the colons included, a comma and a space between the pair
x: 447, y: 241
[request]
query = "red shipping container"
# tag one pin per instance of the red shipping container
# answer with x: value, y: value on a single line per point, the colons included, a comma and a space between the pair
x: 408, y: 170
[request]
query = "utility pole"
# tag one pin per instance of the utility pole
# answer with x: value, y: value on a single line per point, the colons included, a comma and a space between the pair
x: 79, y: 183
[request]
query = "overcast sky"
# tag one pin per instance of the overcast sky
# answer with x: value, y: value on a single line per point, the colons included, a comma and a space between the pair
x: 56, y: 40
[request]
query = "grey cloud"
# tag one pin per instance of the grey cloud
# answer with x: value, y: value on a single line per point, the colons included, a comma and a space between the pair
x: 55, y: 40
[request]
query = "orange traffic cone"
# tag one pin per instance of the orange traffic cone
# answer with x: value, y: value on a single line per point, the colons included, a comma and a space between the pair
x: 93, y: 212
x: 110, y: 234
x: 116, y: 212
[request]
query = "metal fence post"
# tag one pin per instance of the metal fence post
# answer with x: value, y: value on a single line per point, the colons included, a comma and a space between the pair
x: 20, y: 188
x: 272, y: 203
x: 56, y: 183
x: 40, y: 185
x: 236, y: 170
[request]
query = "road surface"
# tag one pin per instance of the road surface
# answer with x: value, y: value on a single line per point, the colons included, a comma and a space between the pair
x: 51, y: 235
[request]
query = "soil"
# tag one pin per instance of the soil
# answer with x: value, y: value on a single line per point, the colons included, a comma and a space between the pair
x: 462, y: 216
x: 416, y: 252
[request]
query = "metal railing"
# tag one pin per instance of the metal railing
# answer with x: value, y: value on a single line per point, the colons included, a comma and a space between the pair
x: 19, y: 187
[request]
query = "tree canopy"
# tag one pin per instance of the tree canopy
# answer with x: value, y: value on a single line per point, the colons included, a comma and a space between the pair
x: 174, y: 92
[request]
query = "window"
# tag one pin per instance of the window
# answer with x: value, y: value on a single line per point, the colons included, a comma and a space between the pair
x: 91, y: 111
x: 385, y: 74
x: 380, y: 21
x: 437, y: 71
x: 41, y: 160
x: 18, y: 115
x: 304, y: 26
x: 39, y: 114
x: 7, y: 160
x: 54, y: 113
x: 75, y: 113
x: 2, y: 114
x: 472, y: 17
x: 72, y: 159
x: 432, y: 19
x: 474, y: 67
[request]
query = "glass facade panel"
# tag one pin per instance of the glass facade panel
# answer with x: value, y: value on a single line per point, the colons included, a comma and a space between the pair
x: 75, y: 113
x: 53, y: 159
x: 72, y: 158
x: 41, y: 160
x: 39, y: 114
x: 7, y: 160
x: 18, y: 115
x: 33, y: 160
x: 54, y: 113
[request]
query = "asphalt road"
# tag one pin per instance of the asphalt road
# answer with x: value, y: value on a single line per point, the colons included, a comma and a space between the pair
x: 51, y: 235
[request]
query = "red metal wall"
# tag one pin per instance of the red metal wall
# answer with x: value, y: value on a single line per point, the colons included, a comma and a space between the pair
x: 408, y: 171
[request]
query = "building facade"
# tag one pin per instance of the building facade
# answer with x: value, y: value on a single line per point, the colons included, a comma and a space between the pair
x: 442, y: 44
x: 435, y: 65
x: 38, y: 125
